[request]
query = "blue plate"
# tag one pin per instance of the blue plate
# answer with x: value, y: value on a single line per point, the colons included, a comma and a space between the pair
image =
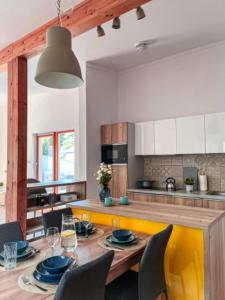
x: 132, y: 240
x: 57, y: 264
x: 21, y: 246
x: 42, y: 278
x: 27, y: 254
x: 45, y: 275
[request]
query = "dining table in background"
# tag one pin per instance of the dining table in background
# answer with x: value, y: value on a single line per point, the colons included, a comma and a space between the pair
x: 87, y: 250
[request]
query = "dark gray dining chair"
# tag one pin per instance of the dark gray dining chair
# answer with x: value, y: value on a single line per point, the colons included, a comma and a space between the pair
x: 86, y: 282
x: 10, y: 232
x: 54, y: 218
x: 150, y: 282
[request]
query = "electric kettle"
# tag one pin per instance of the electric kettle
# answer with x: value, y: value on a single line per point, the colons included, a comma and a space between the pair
x: 170, y: 184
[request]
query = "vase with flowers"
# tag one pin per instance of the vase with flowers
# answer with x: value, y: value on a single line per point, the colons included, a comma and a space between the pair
x: 103, y: 176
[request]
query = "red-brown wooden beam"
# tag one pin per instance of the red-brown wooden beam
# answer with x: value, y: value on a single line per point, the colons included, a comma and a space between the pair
x: 83, y: 17
x: 16, y: 200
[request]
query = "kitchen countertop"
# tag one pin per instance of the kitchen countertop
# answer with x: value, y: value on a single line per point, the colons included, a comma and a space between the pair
x: 175, y: 214
x: 180, y: 193
x: 33, y: 186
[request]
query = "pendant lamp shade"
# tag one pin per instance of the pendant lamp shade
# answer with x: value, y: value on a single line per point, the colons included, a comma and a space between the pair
x: 58, y: 66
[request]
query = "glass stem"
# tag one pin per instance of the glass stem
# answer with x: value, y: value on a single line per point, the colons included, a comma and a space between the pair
x: 52, y: 250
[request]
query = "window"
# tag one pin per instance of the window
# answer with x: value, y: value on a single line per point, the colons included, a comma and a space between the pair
x: 55, y: 156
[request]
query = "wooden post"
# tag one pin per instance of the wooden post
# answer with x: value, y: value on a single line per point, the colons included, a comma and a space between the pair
x: 16, y: 200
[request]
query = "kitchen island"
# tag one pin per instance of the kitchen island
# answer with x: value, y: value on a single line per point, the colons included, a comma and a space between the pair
x: 195, y: 256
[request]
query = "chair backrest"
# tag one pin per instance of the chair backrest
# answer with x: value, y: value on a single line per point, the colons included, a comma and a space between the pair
x: 54, y: 218
x: 10, y: 232
x: 151, y: 280
x: 86, y: 282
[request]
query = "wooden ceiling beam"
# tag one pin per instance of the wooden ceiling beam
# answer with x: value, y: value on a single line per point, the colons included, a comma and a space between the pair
x: 83, y: 17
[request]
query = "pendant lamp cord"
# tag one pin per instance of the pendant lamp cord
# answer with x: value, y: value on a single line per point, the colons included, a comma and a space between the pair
x: 58, y: 5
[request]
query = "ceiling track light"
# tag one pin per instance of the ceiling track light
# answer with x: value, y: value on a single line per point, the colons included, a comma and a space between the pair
x: 140, y: 13
x: 100, y: 31
x: 116, y: 23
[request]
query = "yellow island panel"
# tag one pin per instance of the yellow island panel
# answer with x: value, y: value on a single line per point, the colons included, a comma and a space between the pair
x: 184, y: 259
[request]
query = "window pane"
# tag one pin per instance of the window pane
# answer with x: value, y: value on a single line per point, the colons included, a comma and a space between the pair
x: 66, y: 166
x: 45, y: 163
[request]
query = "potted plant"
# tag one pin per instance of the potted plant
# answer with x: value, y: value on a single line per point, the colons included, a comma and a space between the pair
x: 103, y: 176
x: 189, y: 183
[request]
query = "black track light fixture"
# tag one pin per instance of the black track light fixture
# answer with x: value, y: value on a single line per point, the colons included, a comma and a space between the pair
x: 100, y: 31
x: 116, y: 23
x: 140, y: 13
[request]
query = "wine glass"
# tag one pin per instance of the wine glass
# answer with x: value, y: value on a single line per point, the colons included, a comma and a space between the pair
x: 52, y: 236
x: 86, y: 218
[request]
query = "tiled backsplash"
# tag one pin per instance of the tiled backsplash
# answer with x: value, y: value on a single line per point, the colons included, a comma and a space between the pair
x: 159, y: 168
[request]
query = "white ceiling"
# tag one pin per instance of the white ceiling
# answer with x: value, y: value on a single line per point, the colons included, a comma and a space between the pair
x: 172, y: 25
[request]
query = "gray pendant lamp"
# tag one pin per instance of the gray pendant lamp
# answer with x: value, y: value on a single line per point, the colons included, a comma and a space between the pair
x: 58, y: 66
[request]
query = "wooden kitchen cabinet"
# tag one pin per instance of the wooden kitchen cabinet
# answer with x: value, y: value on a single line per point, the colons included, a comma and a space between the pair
x: 119, y: 133
x: 213, y: 204
x: 184, y: 201
x: 114, y: 133
x: 118, y: 183
x: 106, y: 134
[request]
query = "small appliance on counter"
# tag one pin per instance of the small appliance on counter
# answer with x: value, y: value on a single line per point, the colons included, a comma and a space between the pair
x: 170, y: 184
x: 202, y: 180
x: 144, y: 184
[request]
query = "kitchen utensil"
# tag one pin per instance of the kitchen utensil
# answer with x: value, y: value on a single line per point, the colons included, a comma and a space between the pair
x: 144, y: 184
x: 27, y: 281
x: 170, y: 184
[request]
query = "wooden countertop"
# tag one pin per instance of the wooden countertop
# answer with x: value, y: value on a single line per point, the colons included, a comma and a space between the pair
x: 194, y: 217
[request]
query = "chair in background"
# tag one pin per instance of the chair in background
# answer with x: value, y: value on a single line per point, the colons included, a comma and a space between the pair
x: 54, y: 218
x: 86, y: 282
x: 150, y: 282
x: 10, y: 232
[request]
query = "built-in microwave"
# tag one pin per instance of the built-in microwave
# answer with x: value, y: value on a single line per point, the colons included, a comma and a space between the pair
x: 115, y: 154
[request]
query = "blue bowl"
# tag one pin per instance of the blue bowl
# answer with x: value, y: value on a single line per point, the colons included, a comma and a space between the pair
x: 80, y: 228
x: 21, y: 246
x: 57, y: 264
x: 122, y: 234
x: 43, y: 275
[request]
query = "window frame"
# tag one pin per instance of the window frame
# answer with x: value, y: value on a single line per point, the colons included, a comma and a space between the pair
x: 55, y: 136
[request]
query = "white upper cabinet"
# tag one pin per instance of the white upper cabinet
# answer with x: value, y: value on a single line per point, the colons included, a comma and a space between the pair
x: 165, y: 137
x: 144, y: 138
x: 215, y: 133
x: 190, y: 135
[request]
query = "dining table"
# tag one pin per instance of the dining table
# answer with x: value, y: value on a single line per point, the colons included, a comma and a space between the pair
x: 86, y: 251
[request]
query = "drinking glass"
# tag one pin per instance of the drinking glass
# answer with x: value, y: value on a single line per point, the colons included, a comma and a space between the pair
x: 86, y: 218
x: 10, y: 255
x: 52, y: 236
x: 68, y: 234
x: 115, y: 224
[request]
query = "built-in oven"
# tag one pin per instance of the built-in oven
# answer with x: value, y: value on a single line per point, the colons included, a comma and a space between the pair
x: 115, y: 154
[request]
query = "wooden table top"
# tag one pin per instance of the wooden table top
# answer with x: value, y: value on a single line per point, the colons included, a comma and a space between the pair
x: 194, y: 217
x: 87, y: 251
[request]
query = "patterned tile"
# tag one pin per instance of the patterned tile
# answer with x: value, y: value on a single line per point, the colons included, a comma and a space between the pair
x: 158, y: 168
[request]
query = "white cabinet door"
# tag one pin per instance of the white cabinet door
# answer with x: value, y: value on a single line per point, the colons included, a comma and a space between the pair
x: 144, y: 138
x: 215, y: 133
x: 190, y: 135
x: 165, y: 137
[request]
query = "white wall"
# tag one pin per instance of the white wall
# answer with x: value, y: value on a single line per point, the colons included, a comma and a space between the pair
x: 54, y: 111
x: 102, y: 108
x: 186, y: 84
